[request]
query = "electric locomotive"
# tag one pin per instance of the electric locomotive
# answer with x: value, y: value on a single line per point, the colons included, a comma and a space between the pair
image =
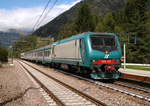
x: 97, y: 54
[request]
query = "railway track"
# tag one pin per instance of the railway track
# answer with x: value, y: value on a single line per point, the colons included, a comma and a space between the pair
x: 136, y: 87
x: 113, y: 87
x: 61, y: 93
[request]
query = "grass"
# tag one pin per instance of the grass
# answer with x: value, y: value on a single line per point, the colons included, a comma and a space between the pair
x: 145, y: 68
x: 2, y: 64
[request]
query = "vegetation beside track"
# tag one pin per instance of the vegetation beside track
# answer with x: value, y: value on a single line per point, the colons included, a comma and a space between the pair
x: 29, y: 43
x: 145, y: 68
x: 3, y: 55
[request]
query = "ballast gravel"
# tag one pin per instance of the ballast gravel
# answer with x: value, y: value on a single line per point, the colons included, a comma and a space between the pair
x: 16, y: 88
x: 108, y: 96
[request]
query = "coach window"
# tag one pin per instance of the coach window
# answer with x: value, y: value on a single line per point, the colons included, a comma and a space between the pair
x: 48, y: 53
x: 45, y: 53
x: 39, y: 54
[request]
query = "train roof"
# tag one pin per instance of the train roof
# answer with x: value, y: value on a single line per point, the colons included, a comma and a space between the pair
x: 82, y: 35
x: 39, y: 49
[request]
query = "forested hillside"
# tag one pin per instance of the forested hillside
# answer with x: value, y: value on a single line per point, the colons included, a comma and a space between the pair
x: 98, y: 7
x: 131, y: 24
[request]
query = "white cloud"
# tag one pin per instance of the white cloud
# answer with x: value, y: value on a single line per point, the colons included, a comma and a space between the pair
x: 25, y: 18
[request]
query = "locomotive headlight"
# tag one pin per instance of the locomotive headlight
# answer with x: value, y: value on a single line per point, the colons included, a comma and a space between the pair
x: 94, y: 61
x: 117, y: 60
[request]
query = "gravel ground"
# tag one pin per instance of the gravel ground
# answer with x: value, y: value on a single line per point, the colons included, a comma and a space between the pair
x: 107, y: 96
x: 16, y: 89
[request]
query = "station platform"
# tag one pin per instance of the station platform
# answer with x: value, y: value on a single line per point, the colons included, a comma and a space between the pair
x: 139, y: 75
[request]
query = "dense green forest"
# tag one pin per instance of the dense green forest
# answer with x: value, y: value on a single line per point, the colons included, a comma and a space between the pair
x: 131, y: 24
x: 99, y: 7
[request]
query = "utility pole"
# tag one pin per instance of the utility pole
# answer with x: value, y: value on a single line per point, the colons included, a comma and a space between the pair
x: 129, y: 35
x: 11, y: 55
x: 124, y: 49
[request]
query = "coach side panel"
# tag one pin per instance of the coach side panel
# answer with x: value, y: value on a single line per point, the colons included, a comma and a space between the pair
x: 68, y: 51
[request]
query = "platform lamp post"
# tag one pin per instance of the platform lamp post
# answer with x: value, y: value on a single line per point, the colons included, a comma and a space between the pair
x: 124, y: 49
x: 125, y: 45
x: 124, y: 55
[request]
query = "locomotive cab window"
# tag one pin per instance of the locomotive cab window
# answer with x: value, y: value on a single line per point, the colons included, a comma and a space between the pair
x: 103, y: 42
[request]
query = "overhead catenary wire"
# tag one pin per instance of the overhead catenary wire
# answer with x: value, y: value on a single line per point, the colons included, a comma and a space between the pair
x: 41, y: 14
x: 47, y: 13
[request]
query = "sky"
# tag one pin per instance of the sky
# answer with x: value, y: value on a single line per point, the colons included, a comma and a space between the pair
x: 23, y: 14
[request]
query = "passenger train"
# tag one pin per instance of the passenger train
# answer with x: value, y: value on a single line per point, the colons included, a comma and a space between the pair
x: 95, y: 54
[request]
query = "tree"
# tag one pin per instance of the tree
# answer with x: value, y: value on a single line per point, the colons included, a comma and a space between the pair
x: 66, y: 31
x: 28, y: 43
x: 135, y: 12
x: 3, y: 54
x: 106, y: 24
x: 84, y: 21
x: 24, y: 44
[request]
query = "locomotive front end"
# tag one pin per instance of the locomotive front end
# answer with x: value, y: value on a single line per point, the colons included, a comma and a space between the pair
x: 105, y: 56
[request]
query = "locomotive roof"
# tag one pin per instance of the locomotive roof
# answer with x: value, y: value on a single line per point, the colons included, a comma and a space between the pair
x: 82, y: 35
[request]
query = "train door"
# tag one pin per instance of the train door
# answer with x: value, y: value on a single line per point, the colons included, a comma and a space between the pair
x: 44, y: 52
x: 82, y: 50
x: 53, y: 52
x: 49, y: 53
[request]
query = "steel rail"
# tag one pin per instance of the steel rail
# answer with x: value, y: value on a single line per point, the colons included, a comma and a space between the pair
x: 59, y: 103
x: 93, y: 100
x: 132, y: 87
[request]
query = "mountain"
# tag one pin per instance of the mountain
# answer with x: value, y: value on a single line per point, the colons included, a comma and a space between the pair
x: 100, y: 7
x: 21, y: 32
x: 9, y: 37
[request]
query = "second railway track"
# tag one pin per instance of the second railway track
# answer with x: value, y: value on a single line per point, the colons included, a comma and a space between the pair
x: 61, y: 93
x: 136, y: 87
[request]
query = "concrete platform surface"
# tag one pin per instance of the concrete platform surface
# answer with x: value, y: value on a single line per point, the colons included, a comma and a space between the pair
x: 135, y: 72
x: 139, y: 75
